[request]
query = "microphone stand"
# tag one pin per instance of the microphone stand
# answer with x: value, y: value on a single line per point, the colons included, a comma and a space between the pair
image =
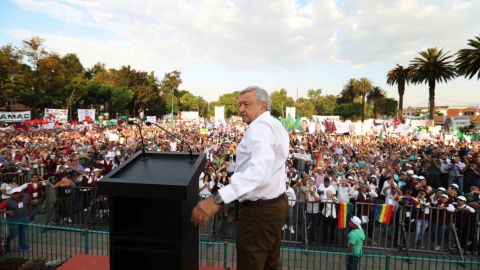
x: 173, y: 135
x: 144, y: 157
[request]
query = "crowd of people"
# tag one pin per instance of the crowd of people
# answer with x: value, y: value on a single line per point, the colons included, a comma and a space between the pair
x: 322, y: 170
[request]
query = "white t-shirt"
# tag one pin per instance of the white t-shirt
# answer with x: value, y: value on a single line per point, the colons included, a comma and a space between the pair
x: 205, y: 192
x: 323, y: 196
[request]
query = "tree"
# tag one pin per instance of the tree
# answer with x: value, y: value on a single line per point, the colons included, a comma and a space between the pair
x: 431, y: 67
x: 468, y: 60
x: 14, y: 75
x: 349, y: 92
x: 121, y: 97
x: 305, y: 107
x: 279, y: 100
x: 170, y: 83
x: 230, y: 101
x: 363, y: 87
x: 376, y: 97
x: 188, y: 102
x: 399, y: 76
x: 351, y: 110
x: 390, y: 106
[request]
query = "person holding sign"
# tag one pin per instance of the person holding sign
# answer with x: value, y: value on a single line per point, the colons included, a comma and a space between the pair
x: 18, y: 208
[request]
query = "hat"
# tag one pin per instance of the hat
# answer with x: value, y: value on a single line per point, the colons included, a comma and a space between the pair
x: 445, y: 195
x: 442, y: 189
x: 356, y: 220
x: 96, y: 170
x: 421, y: 177
x: 455, y: 186
x: 462, y: 198
x: 410, y: 171
x: 350, y: 177
x: 15, y: 190
x: 373, y: 176
x: 87, y: 170
x: 415, y: 176
x: 404, y: 172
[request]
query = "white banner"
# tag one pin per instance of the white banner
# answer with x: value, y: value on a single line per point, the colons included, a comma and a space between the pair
x: 189, y: 115
x: 83, y: 113
x: 56, y: 115
x: 290, y: 111
x: 152, y: 119
x: 219, y: 114
x: 15, y: 116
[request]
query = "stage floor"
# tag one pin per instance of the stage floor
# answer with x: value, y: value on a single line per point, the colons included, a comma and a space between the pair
x: 93, y: 262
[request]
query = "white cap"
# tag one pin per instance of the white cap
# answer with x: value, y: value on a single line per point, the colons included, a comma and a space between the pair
x: 462, y: 198
x: 455, y: 186
x: 350, y: 177
x: 415, y: 176
x: 445, y: 195
x: 421, y: 177
x: 373, y: 176
x: 356, y: 220
x: 442, y: 189
x: 410, y: 171
x: 87, y: 170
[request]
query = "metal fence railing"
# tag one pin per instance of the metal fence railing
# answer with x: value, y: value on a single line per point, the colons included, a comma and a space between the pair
x: 309, y: 225
x: 55, y: 243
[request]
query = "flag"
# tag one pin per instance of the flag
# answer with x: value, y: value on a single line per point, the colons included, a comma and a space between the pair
x: 297, y: 124
x: 459, y: 135
x: 383, y: 213
x: 344, y: 213
x: 410, y: 200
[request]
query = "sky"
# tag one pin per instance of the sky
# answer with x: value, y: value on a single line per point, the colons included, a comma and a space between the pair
x: 223, y: 46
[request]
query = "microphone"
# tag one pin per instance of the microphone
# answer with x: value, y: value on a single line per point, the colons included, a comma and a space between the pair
x: 144, y: 157
x: 173, y: 135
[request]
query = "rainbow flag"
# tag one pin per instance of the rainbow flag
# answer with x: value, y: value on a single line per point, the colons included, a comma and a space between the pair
x: 383, y: 213
x: 409, y: 199
x: 344, y: 213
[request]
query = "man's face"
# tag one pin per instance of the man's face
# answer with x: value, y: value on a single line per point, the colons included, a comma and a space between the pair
x: 249, y: 108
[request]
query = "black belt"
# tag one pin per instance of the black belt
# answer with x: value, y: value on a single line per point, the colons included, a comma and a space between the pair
x: 263, y: 202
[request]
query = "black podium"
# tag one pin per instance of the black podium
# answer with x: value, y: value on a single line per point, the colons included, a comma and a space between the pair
x: 150, y: 201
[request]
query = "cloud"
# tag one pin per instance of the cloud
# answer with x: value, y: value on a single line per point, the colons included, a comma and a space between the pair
x: 340, y: 38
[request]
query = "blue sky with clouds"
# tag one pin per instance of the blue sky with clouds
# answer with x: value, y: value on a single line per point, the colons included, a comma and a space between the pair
x: 221, y: 46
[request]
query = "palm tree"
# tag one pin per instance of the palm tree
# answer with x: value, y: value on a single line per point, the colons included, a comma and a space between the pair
x: 348, y: 93
x: 468, y: 60
x: 362, y: 88
x: 399, y: 76
x: 431, y: 67
x: 377, y: 97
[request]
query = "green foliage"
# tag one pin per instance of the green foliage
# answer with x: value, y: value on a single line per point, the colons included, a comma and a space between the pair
x: 279, y: 100
x: 121, y: 98
x: 468, y: 60
x: 390, y: 106
x: 352, y: 111
x: 230, y: 101
x: 305, y: 107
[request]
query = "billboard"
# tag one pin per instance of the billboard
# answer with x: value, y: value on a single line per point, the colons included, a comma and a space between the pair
x: 56, y: 115
x: 15, y: 116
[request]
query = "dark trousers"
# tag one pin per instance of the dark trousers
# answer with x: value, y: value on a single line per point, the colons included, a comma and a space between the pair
x: 352, y: 262
x: 259, y: 234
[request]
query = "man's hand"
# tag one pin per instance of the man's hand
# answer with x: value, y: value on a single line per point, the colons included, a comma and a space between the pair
x: 204, y: 210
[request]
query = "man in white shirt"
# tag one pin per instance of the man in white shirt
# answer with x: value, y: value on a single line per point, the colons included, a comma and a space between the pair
x: 258, y: 183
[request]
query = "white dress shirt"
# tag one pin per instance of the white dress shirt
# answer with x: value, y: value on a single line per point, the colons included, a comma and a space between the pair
x: 260, y: 167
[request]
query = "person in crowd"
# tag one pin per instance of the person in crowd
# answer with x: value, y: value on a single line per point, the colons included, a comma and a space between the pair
x: 329, y: 213
x: 35, y: 189
x: 18, y: 208
x: 312, y: 210
x: 464, y: 221
x: 291, y: 204
x: 355, y: 243
x: 456, y: 169
x: 422, y: 216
